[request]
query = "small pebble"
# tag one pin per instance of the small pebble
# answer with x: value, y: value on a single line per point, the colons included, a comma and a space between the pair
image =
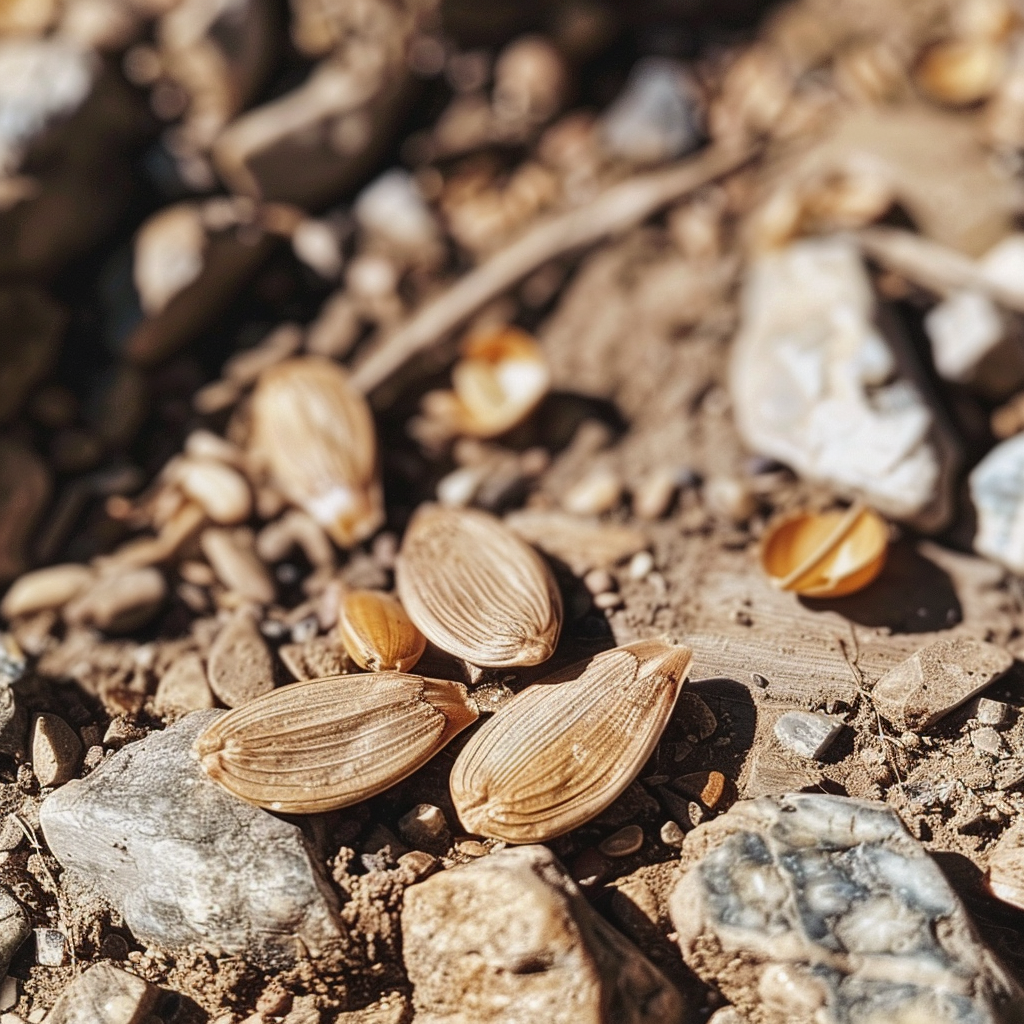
x: 807, y: 733
x: 8, y: 993
x: 993, y: 712
x: 471, y: 848
x: 759, y: 680
x: 419, y: 863
x: 608, y: 600
x: 671, y: 834
x: 730, y: 498
x: 640, y: 565
x: 624, y: 842
x: 56, y: 750
x: 458, y: 488
x: 653, y: 496
x: 599, y: 581
x: 987, y: 741
x: 599, y: 491
x: 49, y: 947
x: 305, y: 629
x: 425, y: 824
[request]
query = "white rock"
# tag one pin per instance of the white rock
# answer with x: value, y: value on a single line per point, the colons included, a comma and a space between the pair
x: 1003, y: 264
x: 997, y: 490
x: 657, y: 116
x: 807, y: 733
x: 815, y: 385
x: 963, y: 329
x: 392, y: 207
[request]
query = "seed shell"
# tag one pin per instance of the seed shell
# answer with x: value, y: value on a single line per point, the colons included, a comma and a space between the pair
x: 476, y: 590
x: 316, y: 435
x: 328, y: 743
x: 559, y: 753
x: 377, y: 633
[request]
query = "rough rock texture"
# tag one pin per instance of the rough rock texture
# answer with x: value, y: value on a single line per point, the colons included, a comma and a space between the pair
x: 108, y: 994
x: 1005, y: 876
x: 511, y: 939
x: 14, y: 928
x: 997, y: 490
x: 815, y: 909
x: 807, y: 733
x: 938, y: 678
x: 184, y: 861
x: 815, y: 385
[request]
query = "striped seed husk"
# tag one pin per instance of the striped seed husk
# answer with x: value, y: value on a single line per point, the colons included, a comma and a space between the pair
x: 328, y: 743
x: 476, y: 590
x: 559, y: 753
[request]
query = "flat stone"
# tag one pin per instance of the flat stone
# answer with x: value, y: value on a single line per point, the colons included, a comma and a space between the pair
x: 50, y: 947
x: 240, y: 667
x: 1005, y: 875
x: 14, y: 928
x: 56, y: 750
x: 183, y: 687
x: 108, y: 994
x: 937, y: 679
x: 510, y: 938
x: 185, y: 862
x: 819, y: 909
x: 987, y: 741
x: 993, y: 712
x: 807, y: 733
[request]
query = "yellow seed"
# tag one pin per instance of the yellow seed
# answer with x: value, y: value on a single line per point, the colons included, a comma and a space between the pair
x: 316, y: 435
x: 476, y: 590
x: 328, y: 743
x: 827, y: 554
x: 961, y: 71
x: 560, y: 752
x: 377, y: 633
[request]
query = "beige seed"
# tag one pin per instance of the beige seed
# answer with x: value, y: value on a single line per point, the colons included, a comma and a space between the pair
x: 236, y: 565
x: 45, y: 588
x: 328, y: 743
x: 559, y: 753
x: 240, y: 666
x: 377, y: 633
x: 476, y: 590
x: 599, y: 491
x: 316, y: 435
x: 623, y: 843
x: 221, y: 491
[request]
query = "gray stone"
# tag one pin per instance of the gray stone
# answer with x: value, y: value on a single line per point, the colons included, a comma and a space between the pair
x: 993, y: 712
x: 509, y: 938
x: 184, y: 861
x: 14, y: 928
x: 727, y: 1015
x: 987, y: 741
x: 424, y: 826
x: 807, y: 733
x: 13, y: 723
x: 106, y: 994
x: 938, y: 678
x: 817, y: 909
x: 56, y: 750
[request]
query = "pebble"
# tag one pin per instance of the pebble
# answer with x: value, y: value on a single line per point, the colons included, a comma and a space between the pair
x: 510, y: 939
x: 1005, y: 875
x: 15, y: 927
x: 998, y: 496
x: 107, y: 994
x: 237, y: 566
x: 240, y: 667
x: 228, y: 876
x: 51, y: 587
x: 599, y: 581
x: 424, y: 825
x: 920, y: 691
x: 780, y: 887
x: 623, y: 843
x: 597, y: 492
x: 13, y: 722
x: 653, y: 496
x: 671, y: 834
x: 8, y: 993
x: 729, y: 498
x: 640, y: 565
x: 50, y: 945
x: 120, y: 602
x: 608, y: 600
x: 987, y: 741
x: 56, y: 750
x: 183, y: 687
x: 807, y: 733
x: 727, y: 1015
x: 993, y: 712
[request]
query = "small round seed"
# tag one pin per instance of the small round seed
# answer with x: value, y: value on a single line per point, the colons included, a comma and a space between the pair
x: 640, y: 565
x: 624, y: 842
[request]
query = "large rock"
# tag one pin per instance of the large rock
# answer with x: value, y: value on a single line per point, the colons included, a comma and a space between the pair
x: 816, y: 385
x: 509, y: 939
x: 815, y: 909
x: 183, y: 860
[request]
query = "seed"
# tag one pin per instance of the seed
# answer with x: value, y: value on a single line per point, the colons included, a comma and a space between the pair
x: 476, y: 590
x: 328, y: 743
x: 624, y: 842
x: 599, y: 491
x: 316, y: 434
x: 221, y: 491
x: 45, y: 588
x: 714, y: 790
x: 378, y: 634
x: 559, y: 753
x: 826, y: 554
x: 961, y: 71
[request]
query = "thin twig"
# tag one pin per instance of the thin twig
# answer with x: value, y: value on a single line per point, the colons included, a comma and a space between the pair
x: 617, y: 209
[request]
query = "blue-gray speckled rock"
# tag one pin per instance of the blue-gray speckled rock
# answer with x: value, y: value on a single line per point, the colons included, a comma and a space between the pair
x: 815, y: 909
x: 185, y: 862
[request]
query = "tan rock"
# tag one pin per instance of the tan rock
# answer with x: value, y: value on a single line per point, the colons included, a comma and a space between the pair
x: 510, y: 938
x: 237, y: 566
x: 240, y: 666
x: 119, y: 602
x: 105, y: 993
x: 183, y: 687
x: 938, y: 678
x: 1005, y: 876
x: 56, y: 750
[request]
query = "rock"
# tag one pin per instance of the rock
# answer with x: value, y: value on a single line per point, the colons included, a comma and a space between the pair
x: 120, y: 602
x: 15, y: 928
x: 184, y: 861
x: 1005, y: 875
x: 45, y: 588
x: 240, y: 666
x: 818, y: 909
x: 236, y: 565
x: 13, y: 723
x: 727, y: 1015
x: 993, y: 712
x: 938, y: 678
x: 56, y: 750
x: 997, y: 491
x: 50, y: 946
x: 424, y: 826
x: 807, y: 733
x: 815, y: 385
x: 987, y: 741
x: 392, y: 208
x: 108, y: 994
x: 510, y: 938
x: 183, y: 687
x: 583, y: 544
x: 657, y: 116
